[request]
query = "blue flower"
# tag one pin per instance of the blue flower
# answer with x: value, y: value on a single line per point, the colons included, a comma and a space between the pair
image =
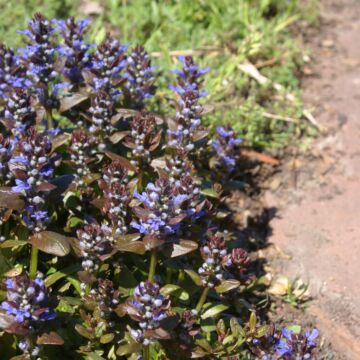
x: 139, y: 75
x: 27, y: 300
x: 21, y: 185
x: 226, y: 147
x: 311, y: 336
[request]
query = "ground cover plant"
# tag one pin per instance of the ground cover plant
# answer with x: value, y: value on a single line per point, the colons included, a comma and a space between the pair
x: 115, y: 238
x: 222, y: 35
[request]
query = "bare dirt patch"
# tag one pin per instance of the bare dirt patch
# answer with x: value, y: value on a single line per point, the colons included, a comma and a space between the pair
x: 317, y: 195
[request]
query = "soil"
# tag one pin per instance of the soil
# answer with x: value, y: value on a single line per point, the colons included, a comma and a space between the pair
x: 316, y: 194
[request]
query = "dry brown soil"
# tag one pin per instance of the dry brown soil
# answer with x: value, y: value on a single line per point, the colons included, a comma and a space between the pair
x: 318, y: 195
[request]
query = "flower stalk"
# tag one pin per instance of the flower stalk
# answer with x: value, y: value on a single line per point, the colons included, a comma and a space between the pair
x: 34, y: 262
x: 153, y: 262
x: 202, y: 299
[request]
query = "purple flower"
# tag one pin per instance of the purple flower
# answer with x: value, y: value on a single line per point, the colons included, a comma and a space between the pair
x: 139, y: 75
x: 149, y: 307
x: 94, y: 242
x: 27, y: 300
x: 33, y: 165
x: 39, y: 54
x: 108, y: 62
x: 188, y: 115
x: 6, y: 150
x: 296, y: 345
x: 163, y: 202
x: 143, y: 139
x: 12, y: 74
x: 19, y: 112
x: 226, y: 148
x: 21, y: 185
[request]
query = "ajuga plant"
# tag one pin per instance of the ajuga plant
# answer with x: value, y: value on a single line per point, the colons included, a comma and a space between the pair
x: 115, y: 239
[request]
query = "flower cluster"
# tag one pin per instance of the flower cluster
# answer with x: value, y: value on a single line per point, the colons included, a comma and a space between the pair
x: 139, y: 75
x: 109, y: 61
x: 82, y: 149
x: 166, y: 205
x: 39, y: 57
x: 213, y: 253
x: 148, y: 307
x: 105, y: 295
x: 178, y: 165
x: 238, y: 259
x: 143, y: 138
x: 6, y: 151
x: 27, y: 301
x: 226, y: 147
x: 95, y: 243
x: 100, y: 112
x: 188, y: 115
x: 115, y: 187
x: 12, y: 74
x: 32, y: 165
x: 296, y: 346
x: 75, y: 50
x: 19, y: 113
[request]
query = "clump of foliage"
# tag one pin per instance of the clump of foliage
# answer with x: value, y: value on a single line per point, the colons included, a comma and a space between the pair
x: 222, y: 35
x: 114, y: 230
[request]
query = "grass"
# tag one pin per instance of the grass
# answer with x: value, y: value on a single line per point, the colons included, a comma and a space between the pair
x: 221, y: 35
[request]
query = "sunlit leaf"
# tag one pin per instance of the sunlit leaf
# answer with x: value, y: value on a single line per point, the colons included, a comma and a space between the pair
x: 11, y: 200
x: 51, y: 243
x: 213, y: 311
x: 68, y: 102
x: 195, y: 277
x: 227, y: 285
x: 50, y: 338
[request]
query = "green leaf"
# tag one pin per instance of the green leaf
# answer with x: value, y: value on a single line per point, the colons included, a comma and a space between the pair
x: 4, y: 264
x: 220, y: 327
x: 295, y: 328
x: 75, y: 283
x: 236, y: 329
x: 171, y: 289
x: 227, y: 285
x: 105, y: 339
x: 12, y: 243
x: 208, y: 325
x: 210, y: 193
x: 262, y: 331
x: 213, y: 311
x: 51, y: 243
x: 195, y: 277
x: 53, y: 278
x: 252, y: 322
x: 128, y: 349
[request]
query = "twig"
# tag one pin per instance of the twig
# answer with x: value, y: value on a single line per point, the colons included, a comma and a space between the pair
x: 251, y: 154
x: 249, y: 69
x: 189, y: 52
x: 279, y: 117
x: 307, y: 114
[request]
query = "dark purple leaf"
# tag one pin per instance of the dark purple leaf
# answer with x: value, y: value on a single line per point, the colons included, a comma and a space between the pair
x: 50, y: 338
x: 10, y: 200
x: 51, y: 243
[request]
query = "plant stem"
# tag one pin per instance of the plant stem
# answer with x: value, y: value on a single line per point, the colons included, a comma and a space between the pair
x: 202, y: 299
x: 153, y: 262
x: 34, y: 262
x: 49, y: 118
x: 146, y: 352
